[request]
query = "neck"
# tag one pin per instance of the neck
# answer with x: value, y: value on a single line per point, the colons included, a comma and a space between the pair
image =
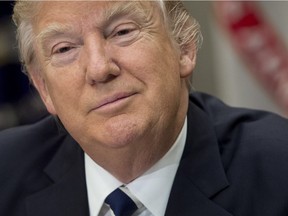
x: 131, y: 161
x: 128, y: 164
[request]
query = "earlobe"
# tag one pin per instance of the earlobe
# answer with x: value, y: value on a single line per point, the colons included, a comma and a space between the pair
x: 187, y: 62
x: 40, y: 85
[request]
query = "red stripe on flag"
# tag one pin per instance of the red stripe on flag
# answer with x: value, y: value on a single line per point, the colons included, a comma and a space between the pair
x: 256, y: 41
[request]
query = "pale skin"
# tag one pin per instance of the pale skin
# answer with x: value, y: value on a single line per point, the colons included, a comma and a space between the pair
x: 115, y: 80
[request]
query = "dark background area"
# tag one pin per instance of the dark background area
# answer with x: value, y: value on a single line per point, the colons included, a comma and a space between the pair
x: 19, y: 102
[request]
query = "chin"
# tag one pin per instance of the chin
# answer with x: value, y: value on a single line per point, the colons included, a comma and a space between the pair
x: 122, y: 134
x: 121, y: 139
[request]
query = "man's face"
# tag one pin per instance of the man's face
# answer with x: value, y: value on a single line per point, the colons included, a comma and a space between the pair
x: 110, y: 72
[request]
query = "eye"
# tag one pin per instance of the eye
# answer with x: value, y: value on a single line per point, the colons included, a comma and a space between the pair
x: 64, y: 49
x: 123, y: 32
x: 64, y: 53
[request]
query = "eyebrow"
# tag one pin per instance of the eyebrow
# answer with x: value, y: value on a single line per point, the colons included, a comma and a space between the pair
x: 131, y: 9
x: 53, y: 30
x: 113, y: 12
x: 125, y: 8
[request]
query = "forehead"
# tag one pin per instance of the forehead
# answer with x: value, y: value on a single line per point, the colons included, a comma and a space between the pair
x: 80, y: 11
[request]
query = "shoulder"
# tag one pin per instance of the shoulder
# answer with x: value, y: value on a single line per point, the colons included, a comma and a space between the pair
x: 251, y: 124
x: 251, y: 135
x: 29, y: 137
x: 23, y: 148
x: 25, y: 153
x: 253, y: 147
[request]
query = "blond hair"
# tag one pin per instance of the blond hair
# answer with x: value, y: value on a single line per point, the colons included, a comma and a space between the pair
x: 182, y: 27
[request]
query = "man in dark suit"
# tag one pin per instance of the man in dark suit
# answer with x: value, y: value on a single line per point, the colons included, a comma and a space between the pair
x: 123, y: 135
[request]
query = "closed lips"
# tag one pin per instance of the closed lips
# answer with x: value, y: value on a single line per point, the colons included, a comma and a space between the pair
x: 113, y: 99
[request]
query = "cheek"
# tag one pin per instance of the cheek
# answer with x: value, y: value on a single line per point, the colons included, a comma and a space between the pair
x: 64, y: 91
x: 152, y: 65
x: 163, y: 77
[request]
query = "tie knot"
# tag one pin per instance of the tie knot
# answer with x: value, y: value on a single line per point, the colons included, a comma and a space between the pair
x: 120, y: 203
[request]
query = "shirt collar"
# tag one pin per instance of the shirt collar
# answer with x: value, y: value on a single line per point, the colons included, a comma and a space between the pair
x: 157, y: 180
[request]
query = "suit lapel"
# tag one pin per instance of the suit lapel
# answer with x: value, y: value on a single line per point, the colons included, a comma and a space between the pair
x: 67, y: 195
x: 200, y: 175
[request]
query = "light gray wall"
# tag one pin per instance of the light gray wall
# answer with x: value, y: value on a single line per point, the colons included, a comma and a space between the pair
x: 220, y: 71
x: 203, y: 77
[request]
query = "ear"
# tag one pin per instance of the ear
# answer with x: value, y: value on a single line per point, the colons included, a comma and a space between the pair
x: 187, y: 60
x: 40, y: 84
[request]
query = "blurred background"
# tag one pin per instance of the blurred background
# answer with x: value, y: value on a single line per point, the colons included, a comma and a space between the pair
x: 226, y: 67
x: 19, y: 103
x: 220, y: 69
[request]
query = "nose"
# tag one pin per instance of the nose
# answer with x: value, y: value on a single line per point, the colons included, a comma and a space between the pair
x: 101, y: 67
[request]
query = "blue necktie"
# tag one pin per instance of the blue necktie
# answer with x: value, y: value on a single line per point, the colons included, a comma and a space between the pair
x: 120, y: 203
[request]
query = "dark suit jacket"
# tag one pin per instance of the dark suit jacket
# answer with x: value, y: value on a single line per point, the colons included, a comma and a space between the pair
x: 235, y: 162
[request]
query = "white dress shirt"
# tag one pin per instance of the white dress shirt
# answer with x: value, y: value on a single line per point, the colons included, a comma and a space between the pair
x: 150, y: 191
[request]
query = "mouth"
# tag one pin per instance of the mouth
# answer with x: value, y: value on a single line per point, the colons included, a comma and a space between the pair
x: 113, y: 100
